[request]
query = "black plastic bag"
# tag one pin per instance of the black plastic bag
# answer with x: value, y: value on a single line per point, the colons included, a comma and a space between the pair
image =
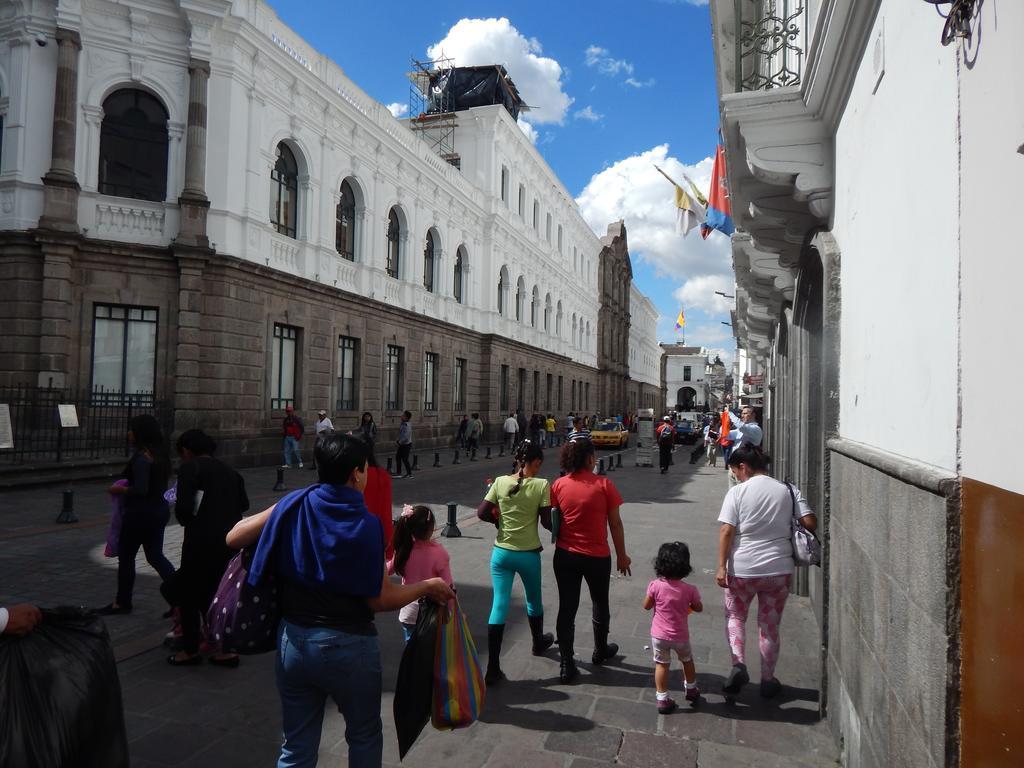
x: 415, y: 686
x: 60, y: 697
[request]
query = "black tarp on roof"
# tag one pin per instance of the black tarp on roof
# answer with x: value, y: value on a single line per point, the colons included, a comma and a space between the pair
x: 452, y: 90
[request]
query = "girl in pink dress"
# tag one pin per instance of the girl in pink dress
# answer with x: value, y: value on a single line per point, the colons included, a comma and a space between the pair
x: 672, y: 600
x: 417, y: 557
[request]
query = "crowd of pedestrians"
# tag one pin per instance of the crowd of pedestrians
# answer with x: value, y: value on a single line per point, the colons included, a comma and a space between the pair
x: 331, y: 547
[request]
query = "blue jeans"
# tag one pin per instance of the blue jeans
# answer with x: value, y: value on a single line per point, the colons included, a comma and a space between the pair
x: 505, y: 564
x: 314, y: 663
x: 291, y: 451
x: 407, y: 631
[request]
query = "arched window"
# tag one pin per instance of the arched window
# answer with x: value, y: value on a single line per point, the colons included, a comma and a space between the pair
x: 572, y: 339
x: 503, y: 291
x: 133, y: 146
x: 520, y: 298
x: 345, y: 224
x: 391, y: 262
x: 547, y: 313
x: 587, y: 347
x: 559, y: 238
x: 536, y: 216
x: 534, y: 306
x: 547, y: 228
x: 558, y: 320
x: 460, y: 268
x: 284, y: 192
x: 428, y: 262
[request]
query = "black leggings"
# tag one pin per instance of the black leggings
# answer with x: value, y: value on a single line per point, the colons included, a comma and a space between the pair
x: 402, y: 457
x: 571, y: 568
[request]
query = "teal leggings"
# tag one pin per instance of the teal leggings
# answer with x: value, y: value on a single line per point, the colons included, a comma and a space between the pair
x: 505, y: 564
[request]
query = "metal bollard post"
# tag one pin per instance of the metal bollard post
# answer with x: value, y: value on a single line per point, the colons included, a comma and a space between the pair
x: 618, y: 463
x: 611, y: 463
x: 488, y: 452
x: 600, y: 466
x: 437, y: 459
x: 67, y: 509
x: 279, y: 485
x: 415, y: 462
x: 451, y: 530
x: 456, y: 461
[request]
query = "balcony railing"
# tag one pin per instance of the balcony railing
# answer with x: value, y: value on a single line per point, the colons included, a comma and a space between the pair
x: 770, y: 43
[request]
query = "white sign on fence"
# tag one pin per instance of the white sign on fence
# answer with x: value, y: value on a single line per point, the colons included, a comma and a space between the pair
x: 645, y: 437
x: 68, y: 415
x: 6, y: 430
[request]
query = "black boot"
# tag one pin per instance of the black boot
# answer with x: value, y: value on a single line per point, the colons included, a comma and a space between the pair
x: 567, y: 669
x: 495, y: 634
x: 603, y: 650
x: 541, y: 640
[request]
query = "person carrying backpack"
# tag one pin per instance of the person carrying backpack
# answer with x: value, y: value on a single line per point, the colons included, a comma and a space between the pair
x: 666, y: 441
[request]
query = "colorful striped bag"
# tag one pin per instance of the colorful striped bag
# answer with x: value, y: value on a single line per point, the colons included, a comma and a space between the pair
x: 458, y: 680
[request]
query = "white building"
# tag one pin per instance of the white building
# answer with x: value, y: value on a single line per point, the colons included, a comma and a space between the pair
x: 685, y: 377
x: 644, y: 352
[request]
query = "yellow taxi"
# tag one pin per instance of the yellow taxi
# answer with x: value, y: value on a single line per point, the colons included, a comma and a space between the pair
x: 609, y: 434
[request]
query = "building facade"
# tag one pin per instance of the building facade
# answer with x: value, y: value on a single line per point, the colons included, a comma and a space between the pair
x: 199, y: 209
x: 686, y: 382
x: 614, y: 278
x: 645, y: 387
x: 864, y: 105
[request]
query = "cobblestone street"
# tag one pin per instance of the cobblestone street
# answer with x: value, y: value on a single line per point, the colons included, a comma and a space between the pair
x: 209, y: 716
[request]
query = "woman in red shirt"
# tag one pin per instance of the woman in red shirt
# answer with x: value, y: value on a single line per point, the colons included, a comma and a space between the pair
x: 377, y: 497
x: 588, y: 506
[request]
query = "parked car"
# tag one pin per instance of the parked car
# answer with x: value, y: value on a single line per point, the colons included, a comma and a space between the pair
x: 686, y: 433
x: 609, y: 434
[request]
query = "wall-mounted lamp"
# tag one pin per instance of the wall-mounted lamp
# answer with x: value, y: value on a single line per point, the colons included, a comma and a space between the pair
x: 958, y: 18
x: 725, y: 323
x: 726, y: 295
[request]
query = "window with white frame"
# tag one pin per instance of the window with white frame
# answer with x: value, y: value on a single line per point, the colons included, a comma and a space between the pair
x: 345, y: 223
x: 428, y: 262
x: 283, y: 366
x: 430, y: 363
x: 394, y: 235
x: 284, y: 192
x: 522, y: 201
x: 393, y: 378
x: 123, y: 353
x: 504, y: 185
x: 133, y: 146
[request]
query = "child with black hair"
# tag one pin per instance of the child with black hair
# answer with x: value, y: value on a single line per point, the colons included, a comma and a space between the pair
x: 417, y: 557
x: 672, y: 600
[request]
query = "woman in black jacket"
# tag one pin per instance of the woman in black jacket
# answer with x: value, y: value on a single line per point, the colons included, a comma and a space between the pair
x: 145, y: 511
x: 210, y: 500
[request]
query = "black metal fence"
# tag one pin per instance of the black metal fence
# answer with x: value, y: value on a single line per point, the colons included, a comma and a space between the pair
x: 102, y: 429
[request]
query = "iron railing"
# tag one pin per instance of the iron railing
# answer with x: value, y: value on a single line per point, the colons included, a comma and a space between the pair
x: 770, y: 43
x: 102, y: 431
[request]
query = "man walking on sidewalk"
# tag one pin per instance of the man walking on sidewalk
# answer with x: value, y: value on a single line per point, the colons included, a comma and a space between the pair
x: 510, y: 429
x: 404, y: 443
x: 666, y: 441
x: 292, y: 432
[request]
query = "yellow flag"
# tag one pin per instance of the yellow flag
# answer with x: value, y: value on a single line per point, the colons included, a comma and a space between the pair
x: 680, y: 321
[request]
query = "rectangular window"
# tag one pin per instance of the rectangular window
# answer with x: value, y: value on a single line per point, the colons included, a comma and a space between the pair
x: 123, y: 352
x: 572, y: 400
x: 393, y: 378
x: 460, y: 384
x: 282, y: 375
x: 504, y: 185
x: 547, y: 228
x: 430, y: 361
x: 536, y: 390
x: 536, y: 216
x: 521, y: 389
x: 503, y: 390
x: 586, y: 396
x: 522, y: 201
x: 686, y: 373
x: 348, y: 373
x: 559, y: 394
x: 548, y: 403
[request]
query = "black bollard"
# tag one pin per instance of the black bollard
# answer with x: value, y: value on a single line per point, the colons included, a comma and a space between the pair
x: 488, y: 452
x: 390, y: 459
x: 611, y: 463
x: 618, y: 463
x: 415, y: 462
x: 472, y: 455
x: 437, y: 459
x: 279, y: 485
x: 451, y: 530
x: 600, y: 466
x: 67, y: 509
x: 456, y: 460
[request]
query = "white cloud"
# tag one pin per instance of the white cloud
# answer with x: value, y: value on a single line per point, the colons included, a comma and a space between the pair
x: 632, y: 190
x: 588, y: 113
x: 699, y: 293
x: 472, y: 42
x: 398, y: 109
x: 596, y: 56
x: 684, y: 2
x: 640, y: 83
x: 529, y: 130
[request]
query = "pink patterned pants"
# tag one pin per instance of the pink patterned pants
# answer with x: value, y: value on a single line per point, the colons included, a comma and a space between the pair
x: 771, y: 593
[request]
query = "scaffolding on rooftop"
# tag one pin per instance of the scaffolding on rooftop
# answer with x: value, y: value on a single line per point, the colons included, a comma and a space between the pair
x: 431, y: 107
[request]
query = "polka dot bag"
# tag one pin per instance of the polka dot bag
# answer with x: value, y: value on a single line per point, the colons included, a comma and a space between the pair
x: 243, y: 618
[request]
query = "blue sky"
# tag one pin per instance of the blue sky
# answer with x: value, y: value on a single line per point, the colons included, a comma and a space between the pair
x: 616, y: 89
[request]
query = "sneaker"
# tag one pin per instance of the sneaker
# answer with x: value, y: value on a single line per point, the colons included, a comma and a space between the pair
x: 738, y: 677
x: 693, y: 694
x: 665, y: 706
x: 770, y: 688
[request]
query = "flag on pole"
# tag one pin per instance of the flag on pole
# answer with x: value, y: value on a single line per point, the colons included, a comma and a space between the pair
x: 690, y: 213
x: 719, y: 213
x: 696, y: 192
x: 681, y: 320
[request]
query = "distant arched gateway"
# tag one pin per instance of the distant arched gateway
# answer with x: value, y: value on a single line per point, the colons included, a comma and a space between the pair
x: 684, y: 398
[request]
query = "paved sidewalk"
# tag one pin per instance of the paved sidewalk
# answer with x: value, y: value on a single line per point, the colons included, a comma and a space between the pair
x: 205, y: 716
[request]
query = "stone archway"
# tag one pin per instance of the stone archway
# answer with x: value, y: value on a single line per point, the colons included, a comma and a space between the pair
x: 685, y: 398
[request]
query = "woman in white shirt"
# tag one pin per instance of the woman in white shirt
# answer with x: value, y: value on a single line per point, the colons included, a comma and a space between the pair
x: 755, y: 559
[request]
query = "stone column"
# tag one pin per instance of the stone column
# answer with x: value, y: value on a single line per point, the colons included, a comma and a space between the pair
x: 55, y: 313
x: 188, y: 399
x: 60, y: 202
x: 193, y: 201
